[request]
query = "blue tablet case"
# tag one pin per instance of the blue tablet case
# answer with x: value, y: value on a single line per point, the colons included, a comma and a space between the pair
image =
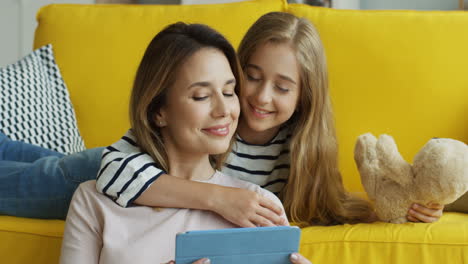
x: 260, y: 245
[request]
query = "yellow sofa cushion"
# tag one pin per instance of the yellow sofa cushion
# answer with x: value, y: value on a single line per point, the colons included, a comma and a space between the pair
x: 98, y: 49
x: 445, y: 241
x: 38, y: 241
x: 397, y: 72
x: 24, y: 240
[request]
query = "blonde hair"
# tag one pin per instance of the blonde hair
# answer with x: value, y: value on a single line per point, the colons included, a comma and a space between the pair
x: 314, y: 193
x: 158, y: 70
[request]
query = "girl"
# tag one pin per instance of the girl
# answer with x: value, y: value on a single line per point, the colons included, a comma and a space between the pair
x: 184, y: 112
x: 285, y: 142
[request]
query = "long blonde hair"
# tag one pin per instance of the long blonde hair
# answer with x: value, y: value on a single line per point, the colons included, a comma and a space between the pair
x: 158, y: 70
x: 314, y: 193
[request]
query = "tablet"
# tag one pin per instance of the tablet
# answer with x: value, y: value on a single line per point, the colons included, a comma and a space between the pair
x: 259, y: 245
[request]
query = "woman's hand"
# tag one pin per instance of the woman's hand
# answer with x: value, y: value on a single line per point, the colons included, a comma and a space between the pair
x: 200, y: 261
x: 246, y: 208
x: 421, y: 213
x: 297, y: 258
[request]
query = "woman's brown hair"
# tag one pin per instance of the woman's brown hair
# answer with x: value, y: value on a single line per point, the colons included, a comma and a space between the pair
x: 314, y: 193
x: 157, y: 72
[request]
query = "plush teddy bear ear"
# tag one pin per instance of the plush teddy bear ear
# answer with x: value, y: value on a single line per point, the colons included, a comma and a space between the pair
x: 365, y: 157
x: 364, y: 150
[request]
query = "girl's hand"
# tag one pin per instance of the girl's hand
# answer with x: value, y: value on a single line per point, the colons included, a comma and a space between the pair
x: 421, y: 213
x: 297, y: 258
x: 247, y: 208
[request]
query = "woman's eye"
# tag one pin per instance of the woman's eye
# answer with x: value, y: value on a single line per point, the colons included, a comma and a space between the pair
x: 199, y: 98
x: 251, y: 78
x: 228, y: 94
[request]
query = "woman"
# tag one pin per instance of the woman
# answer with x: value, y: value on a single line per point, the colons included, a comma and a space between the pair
x: 183, y: 112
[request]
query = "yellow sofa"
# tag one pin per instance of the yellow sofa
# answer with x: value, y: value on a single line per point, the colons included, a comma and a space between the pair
x: 396, y: 72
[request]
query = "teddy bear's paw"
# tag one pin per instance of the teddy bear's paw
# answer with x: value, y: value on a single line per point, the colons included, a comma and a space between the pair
x: 441, y: 167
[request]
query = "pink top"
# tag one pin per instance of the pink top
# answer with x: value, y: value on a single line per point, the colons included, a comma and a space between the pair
x: 100, y: 231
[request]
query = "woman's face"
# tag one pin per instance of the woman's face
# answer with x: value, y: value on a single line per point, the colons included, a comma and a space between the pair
x: 202, y: 109
x: 270, y: 95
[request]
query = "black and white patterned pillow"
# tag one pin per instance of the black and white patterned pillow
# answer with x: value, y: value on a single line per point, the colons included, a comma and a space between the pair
x: 35, y: 106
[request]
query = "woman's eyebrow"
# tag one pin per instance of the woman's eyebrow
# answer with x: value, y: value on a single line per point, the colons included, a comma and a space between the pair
x: 208, y: 84
x: 231, y: 81
x: 202, y: 84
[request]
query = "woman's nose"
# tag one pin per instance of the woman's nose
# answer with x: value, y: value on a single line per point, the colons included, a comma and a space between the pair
x: 221, y: 108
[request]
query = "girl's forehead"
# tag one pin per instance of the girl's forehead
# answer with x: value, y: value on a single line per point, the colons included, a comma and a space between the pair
x: 275, y: 58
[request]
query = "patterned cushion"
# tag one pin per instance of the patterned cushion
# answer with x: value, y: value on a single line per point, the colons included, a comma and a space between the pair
x: 35, y: 106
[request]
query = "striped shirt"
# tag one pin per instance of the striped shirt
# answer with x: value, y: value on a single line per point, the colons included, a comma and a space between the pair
x: 126, y: 172
x: 266, y: 165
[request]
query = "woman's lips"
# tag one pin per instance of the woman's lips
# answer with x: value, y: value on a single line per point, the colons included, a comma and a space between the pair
x: 222, y: 130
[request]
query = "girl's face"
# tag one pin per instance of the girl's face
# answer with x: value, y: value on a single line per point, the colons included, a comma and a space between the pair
x: 270, y: 95
x: 202, y: 109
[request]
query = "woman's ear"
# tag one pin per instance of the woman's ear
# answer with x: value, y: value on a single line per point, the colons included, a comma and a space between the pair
x: 160, y: 118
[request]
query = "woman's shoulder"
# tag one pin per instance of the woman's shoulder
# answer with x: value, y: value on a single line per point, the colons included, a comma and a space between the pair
x: 226, y: 180
x: 87, y: 189
x: 87, y: 193
x: 220, y: 178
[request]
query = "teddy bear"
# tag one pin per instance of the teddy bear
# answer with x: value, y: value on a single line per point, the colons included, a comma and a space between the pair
x: 439, y: 174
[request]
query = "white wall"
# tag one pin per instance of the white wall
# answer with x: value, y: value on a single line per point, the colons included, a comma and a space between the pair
x: 17, y: 26
x: 346, y: 4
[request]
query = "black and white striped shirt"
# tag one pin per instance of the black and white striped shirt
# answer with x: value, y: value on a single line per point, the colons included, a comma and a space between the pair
x: 266, y: 165
x: 126, y: 172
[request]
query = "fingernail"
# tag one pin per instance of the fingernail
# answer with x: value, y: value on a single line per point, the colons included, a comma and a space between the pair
x: 415, y: 206
x: 294, y: 257
x: 206, y: 261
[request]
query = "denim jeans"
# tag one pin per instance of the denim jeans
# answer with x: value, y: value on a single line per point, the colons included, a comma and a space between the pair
x: 39, y: 183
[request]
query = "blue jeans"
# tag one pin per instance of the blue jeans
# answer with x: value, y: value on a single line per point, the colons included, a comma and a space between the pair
x: 39, y: 183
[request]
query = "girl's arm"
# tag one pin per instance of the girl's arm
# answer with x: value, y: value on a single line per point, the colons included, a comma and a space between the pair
x: 242, y: 207
x: 82, y: 241
x: 130, y: 176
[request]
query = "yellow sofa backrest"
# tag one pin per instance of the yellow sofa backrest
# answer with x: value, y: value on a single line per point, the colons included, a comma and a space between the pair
x: 403, y: 73
x: 396, y: 72
x: 99, y: 47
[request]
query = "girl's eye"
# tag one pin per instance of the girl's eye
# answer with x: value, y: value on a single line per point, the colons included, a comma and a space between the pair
x: 199, y: 98
x: 228, y: 94
x: 284, y: 90
x: 250, y: 78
